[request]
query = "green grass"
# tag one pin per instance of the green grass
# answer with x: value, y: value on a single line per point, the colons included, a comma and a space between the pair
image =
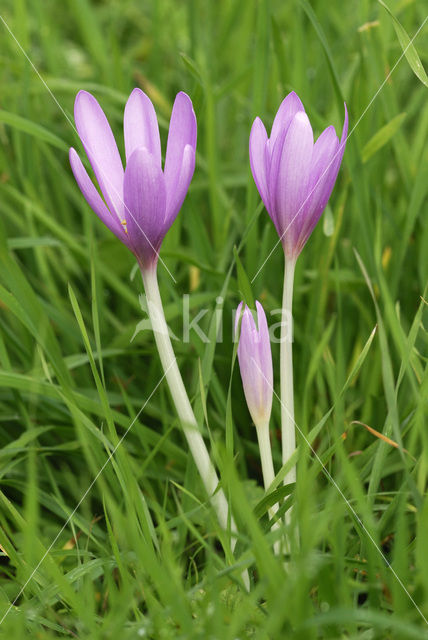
x: 142, y: 554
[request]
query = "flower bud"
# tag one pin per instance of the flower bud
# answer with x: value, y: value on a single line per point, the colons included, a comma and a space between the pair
x: 255, y: 362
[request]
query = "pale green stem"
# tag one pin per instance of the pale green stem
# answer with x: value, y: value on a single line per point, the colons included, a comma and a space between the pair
x: 182, y: 404
x: 287, y: 397
x: 267, y: 471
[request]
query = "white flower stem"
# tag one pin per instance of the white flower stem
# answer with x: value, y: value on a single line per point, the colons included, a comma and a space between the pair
x: 267, y: 471
x: 183, y: 407
x: 287, y: 396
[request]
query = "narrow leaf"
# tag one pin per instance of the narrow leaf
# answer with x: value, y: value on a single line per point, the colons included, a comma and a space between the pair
x: 407, y: 46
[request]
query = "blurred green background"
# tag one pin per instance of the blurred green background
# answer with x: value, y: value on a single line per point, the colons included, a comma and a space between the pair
x: 140, y: 555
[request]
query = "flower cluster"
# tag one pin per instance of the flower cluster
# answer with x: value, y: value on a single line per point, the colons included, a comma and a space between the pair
x: 295, y: 178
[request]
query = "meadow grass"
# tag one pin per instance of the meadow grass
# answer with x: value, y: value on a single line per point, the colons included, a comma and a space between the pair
x: 136, y: 551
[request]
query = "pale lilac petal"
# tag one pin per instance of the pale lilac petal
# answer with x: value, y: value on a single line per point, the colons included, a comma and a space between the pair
x: 322, y: 176
x: 338, y: 156
x: 247, y: 356
x: 100, y: 146
x: 273, y: 166
x: 145, y: 201
x: 317, y: 201
x: 324, y: 171
x: 324, y: 154
x: 293, y: 176
x: 93, y: 198
x: 265, y: 358
x: 322, y: 188
x: 246, y: 340
x: 182, y: 132
x: 141, y: 126
x: 258, y: 142
x: 286, y: 112
x: 327, y: 158
x: 175, y: 200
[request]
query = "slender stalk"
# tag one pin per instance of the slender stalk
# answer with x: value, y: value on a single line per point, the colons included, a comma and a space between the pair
x: 183, y: 407
x: 268, y: 471
x: 287, y: 395
x: 179, y: 395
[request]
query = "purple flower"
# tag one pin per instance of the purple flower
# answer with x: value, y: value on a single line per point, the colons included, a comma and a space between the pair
x: 141, y: 203
x: 255, y: 363
x: 294, y: 176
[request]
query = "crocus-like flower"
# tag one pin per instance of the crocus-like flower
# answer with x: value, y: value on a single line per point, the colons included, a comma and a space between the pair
x: 294, y: 176
x: 255, y: 363
x: 141, y: 202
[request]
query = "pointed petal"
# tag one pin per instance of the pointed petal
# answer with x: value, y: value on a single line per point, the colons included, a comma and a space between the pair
x: 140, y: 126
x: 329, y: 175
x: 286, y: 112
x: 324, y: 154
x: 145, y: 200
x: 247, y: 350
x: 321, y: 191
x: 273, y: 165
x: 293, y: 177
x: 182, y: 132
x: 93, y: 198
x: 265, y: 358
x: 100, y: 146
x: 258, y: 142
x: 176, y: 199
x: 324, y: 173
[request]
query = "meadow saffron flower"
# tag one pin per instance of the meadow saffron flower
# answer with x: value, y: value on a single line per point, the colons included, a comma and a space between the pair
x: 141, y: 202
x: 255, y: 363
x: 294, y: 176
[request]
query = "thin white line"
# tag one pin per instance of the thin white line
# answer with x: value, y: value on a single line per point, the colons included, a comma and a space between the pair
x: 75, y: 130
x: 337, y: 152
x: 84, y: 495
x: 348, y: 504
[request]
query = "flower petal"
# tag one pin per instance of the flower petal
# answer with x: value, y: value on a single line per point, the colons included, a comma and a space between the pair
x: 332, y: 169
x: 286, y: 112
x: 100, y: 146
x: 182, y: 132
x: 324, y: 155
x: 322, y: 183
x: 140, y: 125
x: 322, y: 188
x: 265, y: 358
x: 293, y: 177
x: 145, y: 200
x: 273, y: 164
x: 93, y: 198
x: 247, y: 351
x: 175, y: 200
x: 258, y: 142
